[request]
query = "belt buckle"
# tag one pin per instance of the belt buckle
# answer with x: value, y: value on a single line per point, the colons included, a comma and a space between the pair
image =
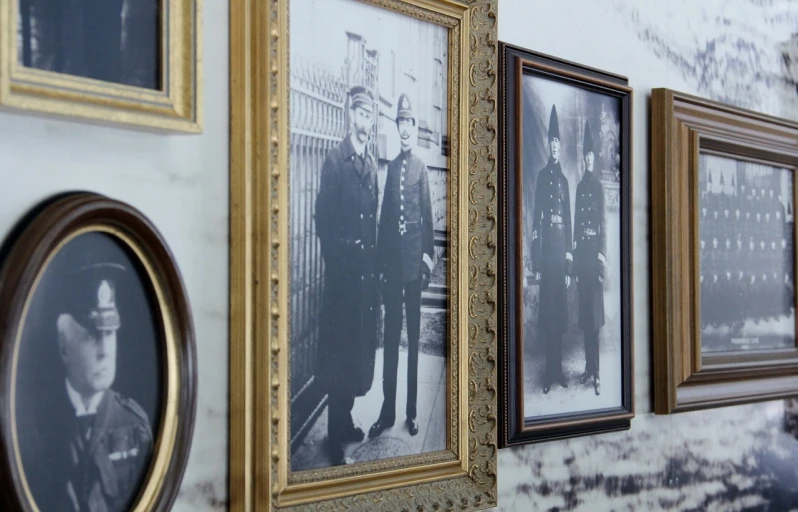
x: 402, y: 227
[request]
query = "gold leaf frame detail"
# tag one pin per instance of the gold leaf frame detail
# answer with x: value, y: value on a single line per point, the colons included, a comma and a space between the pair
x: 175, y: 108
x: 461, y: 477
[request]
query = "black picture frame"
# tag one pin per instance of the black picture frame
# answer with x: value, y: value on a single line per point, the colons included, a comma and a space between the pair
x: 514, y: 427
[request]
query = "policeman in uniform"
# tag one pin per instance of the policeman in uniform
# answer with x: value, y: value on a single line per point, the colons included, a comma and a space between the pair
x: 590, y: 248
x: 95, y: 443
x: 404, y: 254
x: 739, y: 296
x: 703, y: 280
x: 552, y: 258
x: 346, y: 224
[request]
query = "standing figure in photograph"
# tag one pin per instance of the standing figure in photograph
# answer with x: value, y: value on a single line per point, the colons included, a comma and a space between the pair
x: 96, y: 444
x: 552, y: 258
x: 590, y: 248
x: 346, y: 224
x: 404, y: 254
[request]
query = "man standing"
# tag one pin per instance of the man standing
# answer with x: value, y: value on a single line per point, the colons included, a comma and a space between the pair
x: 94, y: 445
x: 404, y: 254
x: 552, y: 259
x: 590, y: 249
x: 346, y: 224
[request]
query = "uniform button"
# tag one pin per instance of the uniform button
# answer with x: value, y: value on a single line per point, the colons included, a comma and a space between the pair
x: 401, y: 217
x: 401, y: 207
x: 402, y: 197
x: 404, y: 162
x: 401, y: 187
x: 361, y: 215
x: 362, y: 278
x: 552, y: 195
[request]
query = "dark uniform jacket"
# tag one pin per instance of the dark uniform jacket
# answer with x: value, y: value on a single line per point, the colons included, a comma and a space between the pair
x: 406, y: 232
x: 590, y: 244
x: 89, y: 464
x: 551, y: 247
x: 346, y: 224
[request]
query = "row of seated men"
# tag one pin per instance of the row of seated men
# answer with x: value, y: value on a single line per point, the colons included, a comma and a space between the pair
x: 745, y: 281
x: 760, y: 215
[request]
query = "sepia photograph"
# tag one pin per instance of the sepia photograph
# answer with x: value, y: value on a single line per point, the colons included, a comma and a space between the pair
x: 746, y: 255
x: 571, y: 235
x: 369, y: 164
x: 116, y: 41
x: 88, y: 390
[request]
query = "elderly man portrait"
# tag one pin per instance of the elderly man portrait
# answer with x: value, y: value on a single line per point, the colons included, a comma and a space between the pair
x: 92, y: 445
x: 346, y: 224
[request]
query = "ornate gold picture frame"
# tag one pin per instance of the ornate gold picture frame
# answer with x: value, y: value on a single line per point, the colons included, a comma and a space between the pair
x: 461, y: 471
x: 87, y: 63
x: 723, y: 183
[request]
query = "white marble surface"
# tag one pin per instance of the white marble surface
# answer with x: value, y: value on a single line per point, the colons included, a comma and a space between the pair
x: 181, y: 183
x: 743, y: 52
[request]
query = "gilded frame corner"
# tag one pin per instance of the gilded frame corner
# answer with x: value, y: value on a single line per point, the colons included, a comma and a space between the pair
x: 176, y: 107
x: 685, y: 378
x: 464, y: 475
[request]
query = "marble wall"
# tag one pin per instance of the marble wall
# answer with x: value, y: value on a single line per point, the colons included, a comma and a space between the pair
x: 743, y: 52
x: 181, y: 183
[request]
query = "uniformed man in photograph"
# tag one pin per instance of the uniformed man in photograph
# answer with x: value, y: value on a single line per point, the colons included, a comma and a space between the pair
x: 552, y: 258
x: 99, y: 444
x: 346, y: 224
x: 590, y: 249
x: 405, y: 258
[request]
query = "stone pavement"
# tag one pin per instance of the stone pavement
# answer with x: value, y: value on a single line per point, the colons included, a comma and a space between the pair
x: 395, y: 441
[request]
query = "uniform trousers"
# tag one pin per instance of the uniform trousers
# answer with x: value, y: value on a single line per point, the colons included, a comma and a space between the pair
x: 400, y: 297
x: 339, y: 413
x: 552, y: 339
x: 591, y: 337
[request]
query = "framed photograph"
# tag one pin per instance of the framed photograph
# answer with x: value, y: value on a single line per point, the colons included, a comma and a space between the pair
x: 362, y: 261
x: 133, y: 62
x: 723, y: 254
x: 565, y: 249
x: 98, y: 361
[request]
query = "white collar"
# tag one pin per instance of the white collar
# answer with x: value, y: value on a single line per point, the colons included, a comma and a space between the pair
x: 77, y: 401
x: 360, y: 148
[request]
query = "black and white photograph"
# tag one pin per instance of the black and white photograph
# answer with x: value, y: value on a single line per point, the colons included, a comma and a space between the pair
x: 565, y: 257
x: 746, y: 255
x: 369, y: 311
x: 117, y: 41
x: 571, y: 234
x: 89, y: 379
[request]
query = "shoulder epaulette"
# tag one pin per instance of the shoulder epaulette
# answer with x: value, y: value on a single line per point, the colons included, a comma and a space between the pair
x: 130, y: 405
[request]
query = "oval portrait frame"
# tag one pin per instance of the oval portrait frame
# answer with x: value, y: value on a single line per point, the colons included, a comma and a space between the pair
x: 26, y: 254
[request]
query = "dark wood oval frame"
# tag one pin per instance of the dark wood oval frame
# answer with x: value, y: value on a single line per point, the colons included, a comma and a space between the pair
x: 24, y: 257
